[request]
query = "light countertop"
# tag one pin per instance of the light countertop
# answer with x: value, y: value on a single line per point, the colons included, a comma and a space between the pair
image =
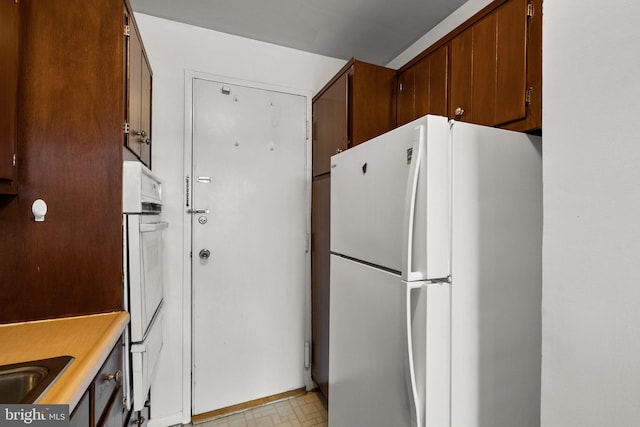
x: 89, y: 339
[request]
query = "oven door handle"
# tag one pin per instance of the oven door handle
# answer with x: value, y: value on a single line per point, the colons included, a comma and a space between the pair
x: 153, y: 226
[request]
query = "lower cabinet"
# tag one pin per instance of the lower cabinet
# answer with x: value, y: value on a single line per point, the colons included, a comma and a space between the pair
x: 102, y: 405
x: 81, y: 414
x: 320, y: 250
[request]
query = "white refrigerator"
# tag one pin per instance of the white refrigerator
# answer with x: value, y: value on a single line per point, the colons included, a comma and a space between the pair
x: 435, y: 306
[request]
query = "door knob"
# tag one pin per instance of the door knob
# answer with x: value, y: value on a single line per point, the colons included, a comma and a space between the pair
x: 204, y: 254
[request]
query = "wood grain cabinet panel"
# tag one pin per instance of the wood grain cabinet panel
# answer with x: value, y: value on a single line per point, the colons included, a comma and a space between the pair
x: 9, y: 52
x: 358, y: 104
x: 372, y: 101
x: 107, y: 391
x: 489, y: 71
x: 320, y: 247
x: 102, y: 404
x: 422, y: 88
x: 330, y: 124
x: 138, y: 94
x: 82, y: 413
x: 71, y: 110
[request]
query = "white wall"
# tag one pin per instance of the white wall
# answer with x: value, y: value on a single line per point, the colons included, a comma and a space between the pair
x: 173, y: 48
x: 591, y: 249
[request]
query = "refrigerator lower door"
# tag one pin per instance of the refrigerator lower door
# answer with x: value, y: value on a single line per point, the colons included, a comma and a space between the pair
x: 366, y: 348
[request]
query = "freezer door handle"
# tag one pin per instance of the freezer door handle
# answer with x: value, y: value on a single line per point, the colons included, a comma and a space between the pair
x: 410, y: 371
x: 419, y: 142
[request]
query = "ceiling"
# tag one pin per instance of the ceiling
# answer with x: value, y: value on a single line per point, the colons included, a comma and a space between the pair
x: 371, y: 30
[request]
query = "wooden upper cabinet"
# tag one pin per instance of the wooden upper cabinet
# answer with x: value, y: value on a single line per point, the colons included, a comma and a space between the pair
x: 138, y: 108
x: 489, y: 74
x: 10, y: 54
x: 372, y: 101
x: 422, y: 88
x: 358, y: 104
x: 330, y: 124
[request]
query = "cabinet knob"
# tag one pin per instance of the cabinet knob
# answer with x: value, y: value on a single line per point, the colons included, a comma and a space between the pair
x: 115, y: 377
x: 459, y: 112
x: 141, y: 134
x: 338, y: 150
x: 147, y: 141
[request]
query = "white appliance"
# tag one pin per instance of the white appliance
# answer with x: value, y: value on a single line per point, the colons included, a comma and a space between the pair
x: 436, y: 237
x: 143, y: 285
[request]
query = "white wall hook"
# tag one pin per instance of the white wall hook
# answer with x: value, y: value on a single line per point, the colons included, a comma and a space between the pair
x: 39, y: 210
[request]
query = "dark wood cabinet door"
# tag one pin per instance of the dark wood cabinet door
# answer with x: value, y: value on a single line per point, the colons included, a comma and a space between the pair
x: 320, y: 247
x: 484, y: 70
x: 423, y: 87
x: 81, y: 414
x: 461, y: 59
x: 372, y: 101
x: 511, y: 51
x: 330, y: 124
x: 406, y: 96
x: 9, y: 52
x: 138, y: 88
x: 431, y: 84
x: 134, y: 88
x: 107, y: 390
x: 489, y: 67
x: 145, y: 112
x: 511, y: 62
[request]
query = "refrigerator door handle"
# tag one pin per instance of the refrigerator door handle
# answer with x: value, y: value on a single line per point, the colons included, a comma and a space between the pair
x: 419, y: 142
x: 410, y: 372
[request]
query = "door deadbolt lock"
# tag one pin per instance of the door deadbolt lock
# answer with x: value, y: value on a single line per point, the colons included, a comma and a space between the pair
x: 202, y: 220
x: 204, y: 254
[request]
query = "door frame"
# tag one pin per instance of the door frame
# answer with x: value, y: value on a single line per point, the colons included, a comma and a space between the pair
x: 187, y: 174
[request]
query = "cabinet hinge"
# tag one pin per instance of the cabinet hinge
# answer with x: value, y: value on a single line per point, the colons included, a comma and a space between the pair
x: 400, y: 87
x: 125, y: 128
x: 127, y: 31
x: 530, y: 10
x: 527, y: 95
x: 307, y: 131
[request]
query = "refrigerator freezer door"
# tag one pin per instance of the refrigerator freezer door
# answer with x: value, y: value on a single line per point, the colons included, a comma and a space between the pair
x: 426, y: 232
x: 369, y: 207
x: 366, y: 353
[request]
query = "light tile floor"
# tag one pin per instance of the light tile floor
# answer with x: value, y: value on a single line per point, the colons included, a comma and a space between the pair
x: 300, y: 411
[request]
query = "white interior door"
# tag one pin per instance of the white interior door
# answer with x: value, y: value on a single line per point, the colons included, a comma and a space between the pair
x: 249, y: 172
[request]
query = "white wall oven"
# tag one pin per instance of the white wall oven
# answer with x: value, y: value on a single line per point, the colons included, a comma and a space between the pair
x: 143, y: 285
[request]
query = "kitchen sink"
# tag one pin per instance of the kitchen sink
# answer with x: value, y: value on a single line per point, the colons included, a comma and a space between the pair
x: 27, y: 382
